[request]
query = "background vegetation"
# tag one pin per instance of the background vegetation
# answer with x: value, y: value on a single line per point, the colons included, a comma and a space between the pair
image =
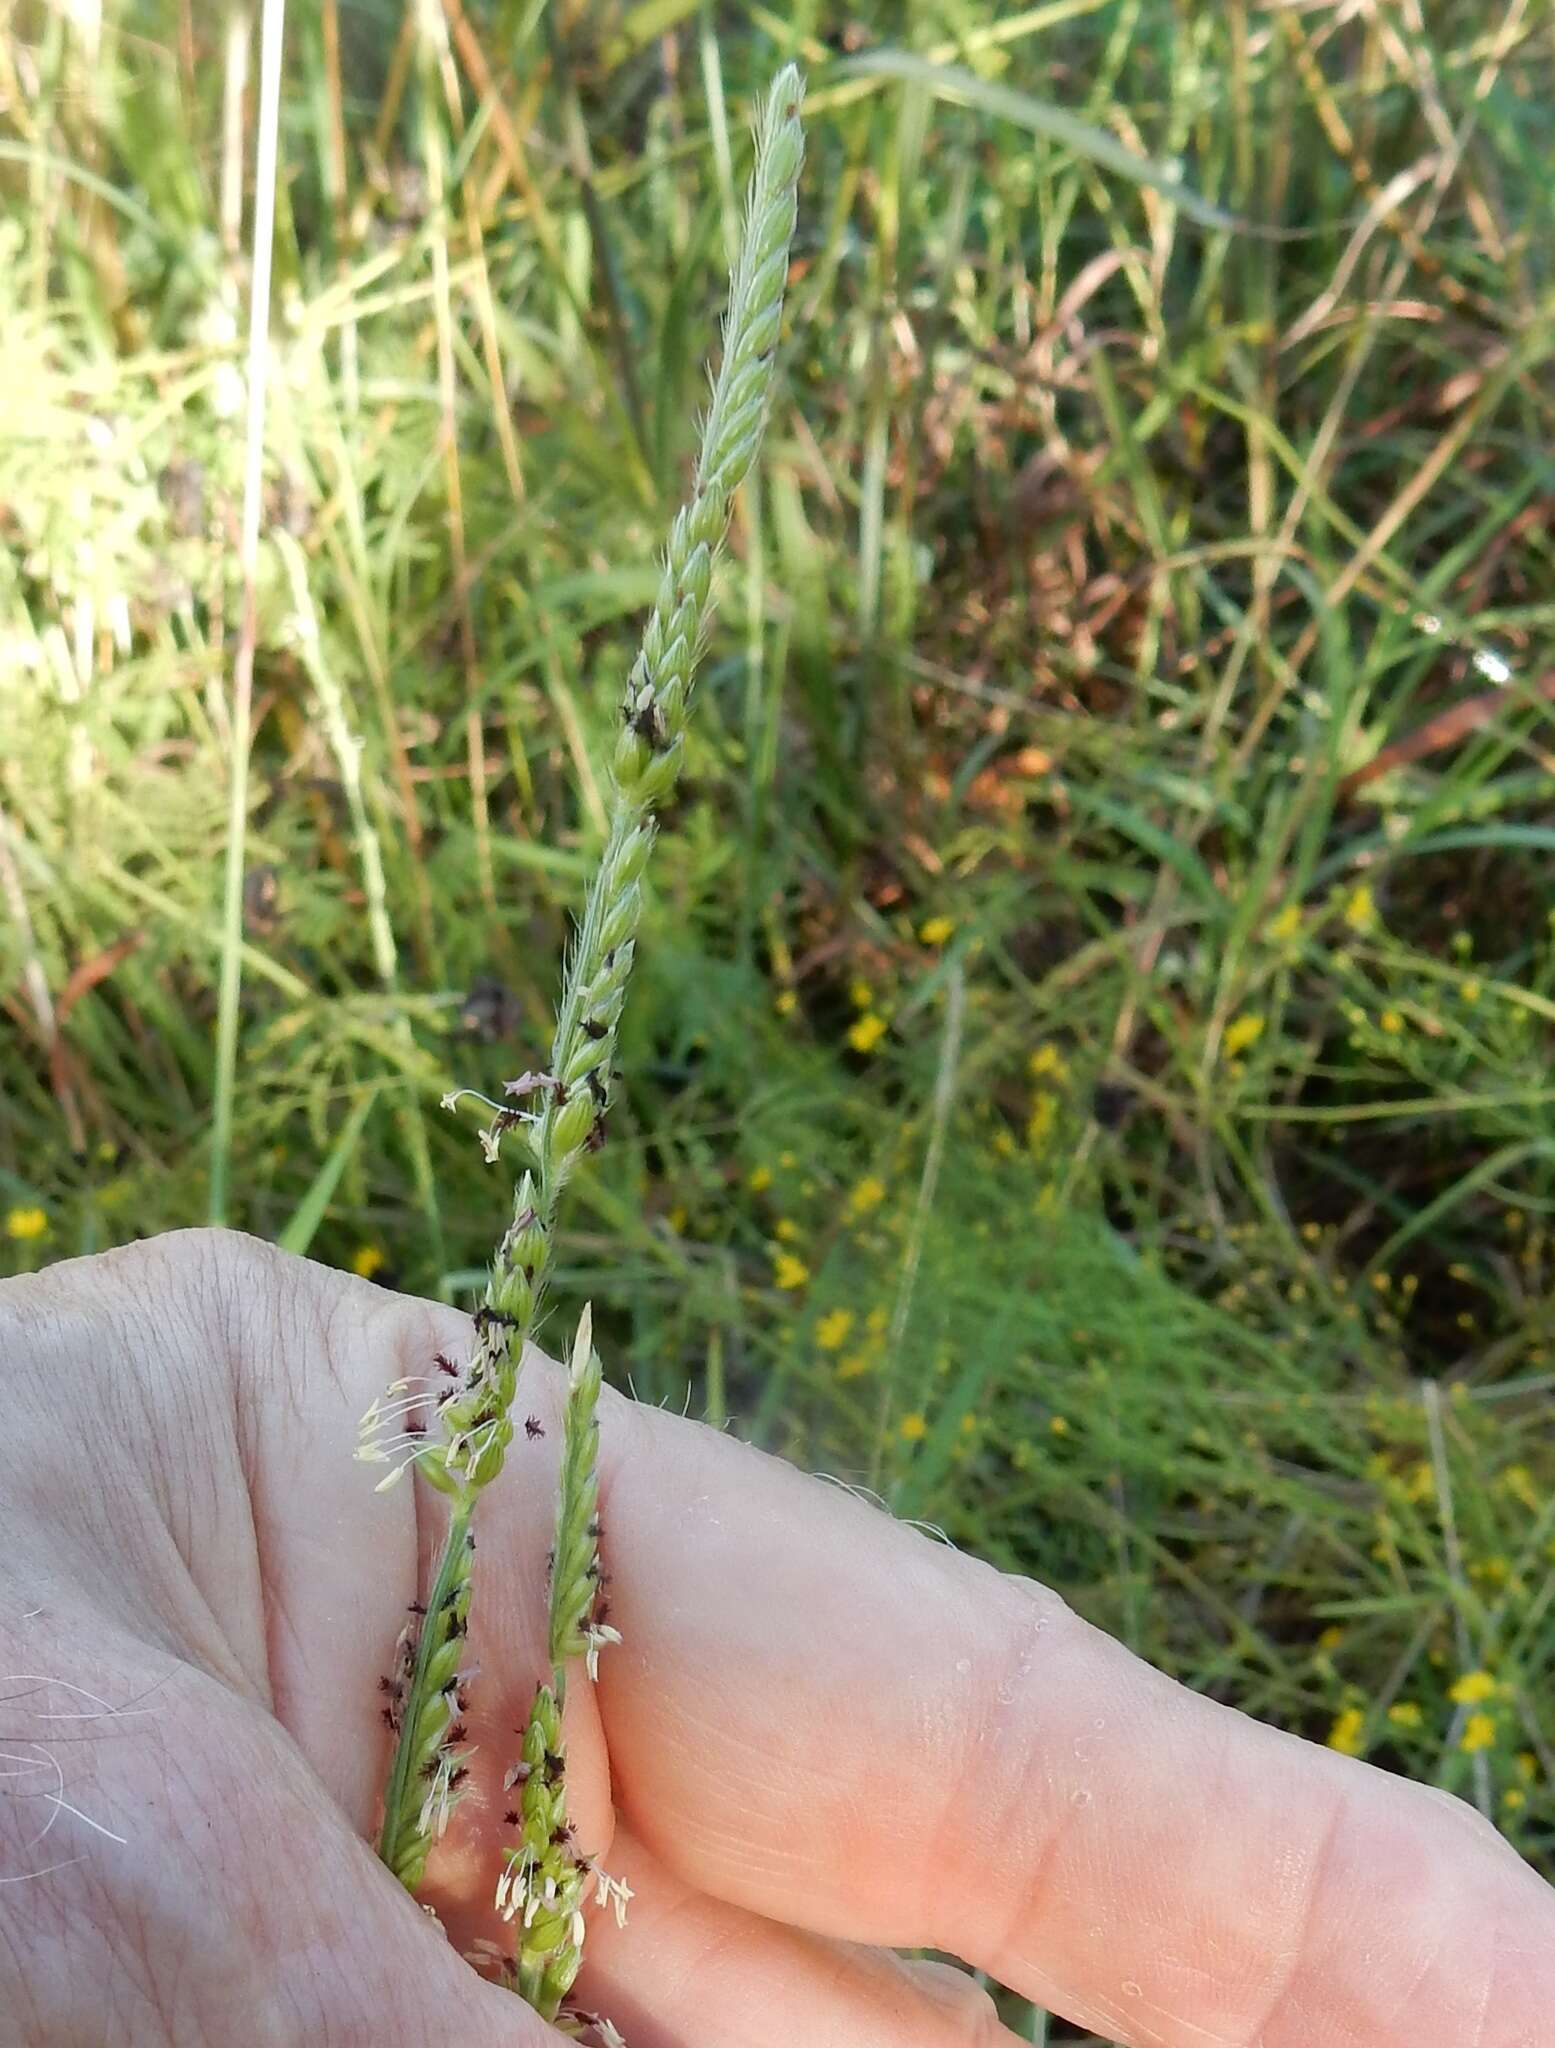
x: 1088, y: 1077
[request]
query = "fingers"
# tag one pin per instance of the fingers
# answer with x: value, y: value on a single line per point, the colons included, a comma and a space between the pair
x: 195, y: 1883
x: 687, y: 1971
x: 829, y: 1720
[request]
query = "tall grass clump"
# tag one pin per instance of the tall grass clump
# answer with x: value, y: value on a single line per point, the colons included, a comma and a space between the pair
x: 556, y: 1117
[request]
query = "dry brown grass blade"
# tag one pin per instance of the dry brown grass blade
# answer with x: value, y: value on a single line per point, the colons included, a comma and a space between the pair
x: 1443, y: 730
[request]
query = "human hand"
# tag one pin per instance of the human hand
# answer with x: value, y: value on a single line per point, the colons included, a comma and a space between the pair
x: 822, y: 1732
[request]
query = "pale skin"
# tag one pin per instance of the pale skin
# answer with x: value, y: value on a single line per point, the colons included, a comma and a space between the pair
x: 823, y: 1736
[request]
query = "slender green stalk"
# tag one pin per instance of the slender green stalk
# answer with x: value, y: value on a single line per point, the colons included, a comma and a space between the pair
x: 560, y: 1117
x: 272, y: 37
x: 545, y: 1879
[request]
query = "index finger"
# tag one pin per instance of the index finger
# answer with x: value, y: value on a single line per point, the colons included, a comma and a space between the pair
x: 821, y: 1715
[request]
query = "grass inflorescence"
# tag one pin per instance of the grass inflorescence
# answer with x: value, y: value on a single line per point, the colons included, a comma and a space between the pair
x: 556, y: 1117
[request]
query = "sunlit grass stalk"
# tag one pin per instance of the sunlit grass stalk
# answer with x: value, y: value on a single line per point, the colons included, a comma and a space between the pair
x: 559, y: 1115
x: 272, y: 39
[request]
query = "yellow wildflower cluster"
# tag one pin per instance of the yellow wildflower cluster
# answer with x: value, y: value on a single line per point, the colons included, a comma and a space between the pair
x: 26, y: 1223
x: 1479, y: 1732
x: 866, y: 1032
x: 1348, y: 1731
x: 866, y: 1196
x: 1472, y: 1689
x: 935, y: 931
x: 834, y: 1330
x: 1039, y: 1125
x: 788, y: 1270
x: 1243, y: 1032
x: 831, y: 1332
x: 1360, y: 910
x: 368, y: 1260
x: 1517, y: 1480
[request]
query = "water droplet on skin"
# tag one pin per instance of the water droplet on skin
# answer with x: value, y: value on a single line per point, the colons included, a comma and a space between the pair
x: 1131, y: 1989
x: 963, y: 1666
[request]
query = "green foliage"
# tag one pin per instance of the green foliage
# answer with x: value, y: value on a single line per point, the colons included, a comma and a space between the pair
x: 1081, y: 645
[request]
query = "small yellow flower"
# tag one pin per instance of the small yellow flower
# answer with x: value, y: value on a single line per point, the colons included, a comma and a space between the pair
x: 1420, y: 1482
x: 1047, y: 1059
x: 785, y: 1002
x: 677, y: 1219
x: 1473, y: 1687
x: 1479, y: 1732
x: 1391, y: 1022
x: 786, y: 1229
x: 1039, y: 1125
x: 850, y: 1367
x: 367, y: 1260
x: 1470, y: 988
x: 1405, y: 1714
x: 1527, y: 1765
x: 1287, y: 925
x: 26, y: 1224
x: 867, y: 1031
x: 1004, y: 1144
x: 1514, y: 1799
x: 1242, y: 1032
x: 758, y: 1178
x: 1518, y: 1482
x: 968, y: 1424
x: 788, y: 1271
x: 936, y: 930
x: 1360, y: 910
x: 1331, y: 1637
x: 860, y: 994
x: 877, y: 1321
x: 1346, y: 1733
x: 914, y: 1428
x: 831, y: 1332
x: 1059, y: 1425
x: 787, y: 1159
x: 868, y: 1195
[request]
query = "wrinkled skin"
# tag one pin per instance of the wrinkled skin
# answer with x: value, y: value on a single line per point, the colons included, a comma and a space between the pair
x: 823, y: 1734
